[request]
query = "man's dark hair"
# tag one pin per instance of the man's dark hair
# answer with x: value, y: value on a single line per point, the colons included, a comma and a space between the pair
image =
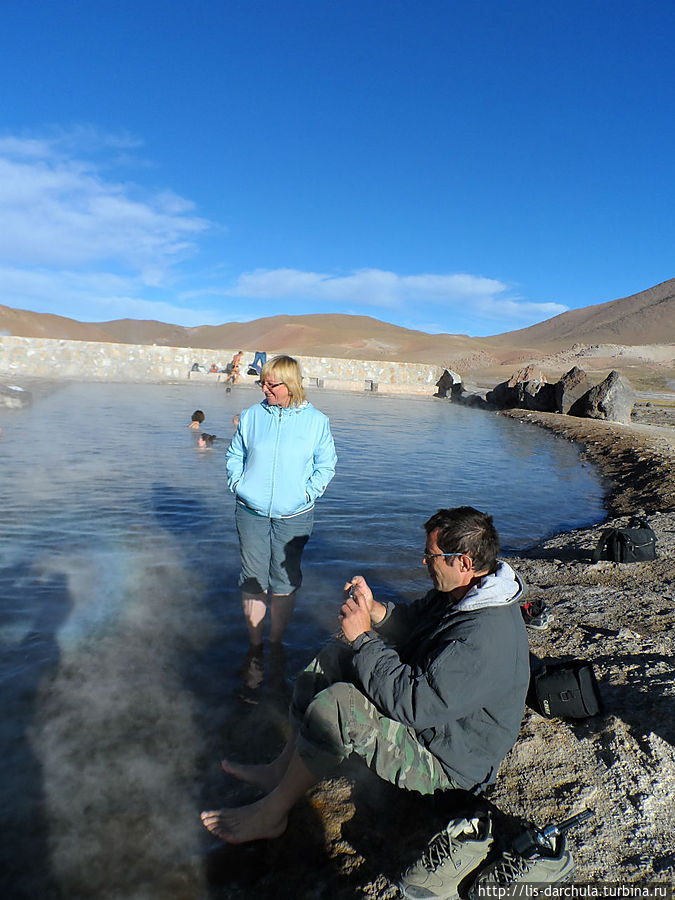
x: 198, y: 416
x: 466, y: 530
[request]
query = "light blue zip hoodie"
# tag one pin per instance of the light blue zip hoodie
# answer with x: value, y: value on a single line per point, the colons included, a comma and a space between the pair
x: 280, y: 459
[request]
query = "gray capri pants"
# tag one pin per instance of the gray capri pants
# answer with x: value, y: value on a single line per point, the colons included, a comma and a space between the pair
x: 333, y: 719
x: 271, y: 550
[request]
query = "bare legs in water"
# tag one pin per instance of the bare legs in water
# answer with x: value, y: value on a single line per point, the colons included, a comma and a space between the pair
x: 285, y: 780
x: 255, y: 609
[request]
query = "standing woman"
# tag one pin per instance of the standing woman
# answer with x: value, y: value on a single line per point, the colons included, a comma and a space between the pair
x: 279, y: 461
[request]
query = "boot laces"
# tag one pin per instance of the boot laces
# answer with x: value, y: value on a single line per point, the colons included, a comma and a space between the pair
x: 510, y: 868
x: 442, y: 848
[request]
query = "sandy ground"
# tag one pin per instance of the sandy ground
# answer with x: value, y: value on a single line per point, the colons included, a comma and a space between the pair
x: 354, y: 834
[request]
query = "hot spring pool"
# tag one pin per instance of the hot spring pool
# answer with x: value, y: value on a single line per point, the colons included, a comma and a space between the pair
x: 122, y: 635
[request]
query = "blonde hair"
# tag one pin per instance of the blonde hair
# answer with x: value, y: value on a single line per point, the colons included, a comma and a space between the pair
x: 286, y: 369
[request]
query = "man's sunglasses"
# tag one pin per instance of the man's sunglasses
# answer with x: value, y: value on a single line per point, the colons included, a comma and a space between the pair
x: 437, y: 555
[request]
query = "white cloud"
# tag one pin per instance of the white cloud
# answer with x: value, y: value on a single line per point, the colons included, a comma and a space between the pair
x: 92, y: 297
x: 475, y: 295
x: 78, y: 242
x: 371, y: 287
x: 58, y: 210
x: 515, y: 309
x: 28, y: 148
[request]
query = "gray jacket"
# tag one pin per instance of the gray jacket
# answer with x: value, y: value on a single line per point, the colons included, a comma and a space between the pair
x: 457, y: 673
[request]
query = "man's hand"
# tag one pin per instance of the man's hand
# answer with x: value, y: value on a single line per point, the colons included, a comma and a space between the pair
x: 359, y: 590
x: 354, y: 618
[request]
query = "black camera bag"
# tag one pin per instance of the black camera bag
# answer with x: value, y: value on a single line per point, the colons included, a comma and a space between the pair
x: 566, y: 690
x: 636, y: 543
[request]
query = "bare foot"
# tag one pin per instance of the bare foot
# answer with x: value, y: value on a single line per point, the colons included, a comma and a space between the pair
x: 248, y: 823
x: 265, y: 777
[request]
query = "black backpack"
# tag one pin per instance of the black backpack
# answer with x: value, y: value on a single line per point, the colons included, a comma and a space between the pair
x: 636, y: 543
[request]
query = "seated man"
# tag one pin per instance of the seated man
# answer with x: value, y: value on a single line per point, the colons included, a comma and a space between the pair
x: 429, y: 694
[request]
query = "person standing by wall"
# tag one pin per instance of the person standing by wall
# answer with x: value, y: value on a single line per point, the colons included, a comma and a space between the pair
x: 233, y: 374
x: 280, y: 460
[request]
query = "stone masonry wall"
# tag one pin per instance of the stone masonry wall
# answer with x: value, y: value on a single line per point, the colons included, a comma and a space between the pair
x: 92, y: 361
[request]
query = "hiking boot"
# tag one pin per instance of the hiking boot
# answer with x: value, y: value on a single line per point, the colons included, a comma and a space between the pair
x: 553, y: 866
x: 450, y: 856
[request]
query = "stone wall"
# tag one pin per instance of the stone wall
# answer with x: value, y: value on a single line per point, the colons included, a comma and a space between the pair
x: 92, y: 361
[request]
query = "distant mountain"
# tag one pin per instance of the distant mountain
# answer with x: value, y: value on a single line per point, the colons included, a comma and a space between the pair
x: 23, y: 323
x: 644, y: 318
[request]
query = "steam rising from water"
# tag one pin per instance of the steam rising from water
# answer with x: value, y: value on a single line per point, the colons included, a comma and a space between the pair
x: 114, y: 729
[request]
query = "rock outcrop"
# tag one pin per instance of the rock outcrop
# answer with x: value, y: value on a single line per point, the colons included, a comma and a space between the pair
x: 526, y: 389
x: 569, y: 389
x: 613, y: 399
x: 446, y: 383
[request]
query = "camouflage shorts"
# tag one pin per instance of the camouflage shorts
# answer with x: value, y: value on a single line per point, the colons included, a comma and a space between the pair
x: 334, y: 719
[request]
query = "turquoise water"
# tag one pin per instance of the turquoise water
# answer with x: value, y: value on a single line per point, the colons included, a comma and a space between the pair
x: 120, y: 625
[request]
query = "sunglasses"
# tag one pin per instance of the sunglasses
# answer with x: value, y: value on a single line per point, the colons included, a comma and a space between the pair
x: 427, y: 555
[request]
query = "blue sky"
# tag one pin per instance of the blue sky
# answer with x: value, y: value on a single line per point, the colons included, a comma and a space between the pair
x: 464, y: 167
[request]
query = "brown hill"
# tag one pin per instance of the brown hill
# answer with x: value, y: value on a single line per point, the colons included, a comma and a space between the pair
x: 644, y: 318
x: 23, y: 323
x: 333, y: 334
x: 146, y: 331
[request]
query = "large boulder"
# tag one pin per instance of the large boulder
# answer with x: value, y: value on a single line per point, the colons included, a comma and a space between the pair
x: 446, y: 383
x: 522, y: 376
x: 450, y: 385
x: 613, y: 399
x: 539, y: 396
x: 571, y: 387
x: 505, y: 395
x: 468, y: 397
x: 520, y: 391
x: 13, y: 397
